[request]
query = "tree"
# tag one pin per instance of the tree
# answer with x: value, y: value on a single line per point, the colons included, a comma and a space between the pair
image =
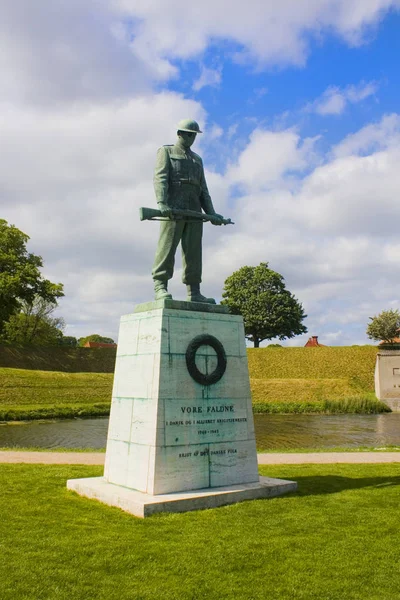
x: 20, y: 277
x: 34, y: 325
x: 95, y: 337
x: 68, y: 340
x: 384, y: 326
x: 30, y: 330
x: 269, y: 310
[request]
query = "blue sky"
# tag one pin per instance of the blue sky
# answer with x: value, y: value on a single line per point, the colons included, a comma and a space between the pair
x: 298, y: 101
x: 278, y: 95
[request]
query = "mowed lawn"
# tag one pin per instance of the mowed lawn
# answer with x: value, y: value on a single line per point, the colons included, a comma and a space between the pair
x: 336, y: 539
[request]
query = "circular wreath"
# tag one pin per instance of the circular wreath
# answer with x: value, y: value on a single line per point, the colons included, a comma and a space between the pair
x: 198, y: 376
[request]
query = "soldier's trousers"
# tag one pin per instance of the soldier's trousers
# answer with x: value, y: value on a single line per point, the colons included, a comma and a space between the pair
x: 190, y: 235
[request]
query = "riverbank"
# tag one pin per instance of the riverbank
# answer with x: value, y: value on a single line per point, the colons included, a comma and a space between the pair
x: 361, y: 406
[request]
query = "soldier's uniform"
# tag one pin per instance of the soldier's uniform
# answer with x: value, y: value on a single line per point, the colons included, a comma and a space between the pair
x: 179, y: 182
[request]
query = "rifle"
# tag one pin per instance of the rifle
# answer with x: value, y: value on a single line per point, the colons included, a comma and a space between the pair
x: 153, y: 214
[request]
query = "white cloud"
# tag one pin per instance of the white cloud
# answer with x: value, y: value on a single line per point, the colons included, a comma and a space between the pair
x: 76, y: 188
x: 330, y: 229
x: 214, y: 132
x: 57, y: 52
x: 208, y: 77
x: 353, y: 195
x: 373, y: 137
x: 80, y: 123
x: 268, y: 33
x: 269, y: 156
x: 331, y: 232
x: 334, y: 100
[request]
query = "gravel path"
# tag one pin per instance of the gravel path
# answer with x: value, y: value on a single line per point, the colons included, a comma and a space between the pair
x: 97, y: 458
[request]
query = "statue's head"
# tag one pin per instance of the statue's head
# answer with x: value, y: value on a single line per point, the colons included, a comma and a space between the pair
x: 187, y: 131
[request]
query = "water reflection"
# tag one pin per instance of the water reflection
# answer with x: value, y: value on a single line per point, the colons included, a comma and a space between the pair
x: 272, y: 432
x: 68, y: 433
x: 327, y: 431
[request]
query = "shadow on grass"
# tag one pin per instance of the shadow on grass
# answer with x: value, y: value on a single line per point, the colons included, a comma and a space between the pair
x: 332, y: 484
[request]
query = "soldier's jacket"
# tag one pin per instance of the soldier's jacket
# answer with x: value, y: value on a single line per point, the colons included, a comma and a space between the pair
x: 179, y: 179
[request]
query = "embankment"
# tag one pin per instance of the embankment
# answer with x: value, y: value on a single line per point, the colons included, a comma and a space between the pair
x: 60, y: 382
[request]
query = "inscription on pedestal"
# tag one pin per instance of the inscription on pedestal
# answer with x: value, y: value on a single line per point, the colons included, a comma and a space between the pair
x: 204, y: 422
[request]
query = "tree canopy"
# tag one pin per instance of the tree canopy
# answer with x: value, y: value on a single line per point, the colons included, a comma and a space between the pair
x: 95, y: 337
x: 385, y: 326
x: 31, y: 330
x: 269, y: 310
x: 20, y: 278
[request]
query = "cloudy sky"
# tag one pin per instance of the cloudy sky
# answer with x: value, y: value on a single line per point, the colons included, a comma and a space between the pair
x: 299, y: 104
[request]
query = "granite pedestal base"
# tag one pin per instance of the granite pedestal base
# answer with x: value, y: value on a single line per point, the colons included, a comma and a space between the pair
x: 181, y: 433
x: 144, y: 505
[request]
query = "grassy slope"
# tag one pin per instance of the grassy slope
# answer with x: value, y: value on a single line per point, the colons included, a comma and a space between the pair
x: 282, y: 380
x: 69, y: 360
x: 318, y: 379
x: 336, y: 539
x: 46, y: 394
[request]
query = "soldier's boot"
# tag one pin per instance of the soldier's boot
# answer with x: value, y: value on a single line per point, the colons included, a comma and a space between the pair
x: 194, y: 294
x: 161, y: 290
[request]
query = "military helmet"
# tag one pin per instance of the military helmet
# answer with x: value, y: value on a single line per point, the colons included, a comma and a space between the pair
x: 189, y: 125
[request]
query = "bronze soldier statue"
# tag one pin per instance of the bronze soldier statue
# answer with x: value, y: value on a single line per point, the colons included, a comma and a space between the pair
x: 179, y: 183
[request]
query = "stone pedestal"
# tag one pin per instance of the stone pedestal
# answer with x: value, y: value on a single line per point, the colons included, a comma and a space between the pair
x: 181, y: 416
x: 387, y: 378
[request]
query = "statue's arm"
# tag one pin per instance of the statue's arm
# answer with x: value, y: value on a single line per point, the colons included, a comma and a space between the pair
x: 205, y: 198
x: 206, y: 202
x: 161, y: 176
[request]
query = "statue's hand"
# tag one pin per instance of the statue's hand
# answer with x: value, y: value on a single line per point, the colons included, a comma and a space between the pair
x: 164, y: 209
x: 217, y: 219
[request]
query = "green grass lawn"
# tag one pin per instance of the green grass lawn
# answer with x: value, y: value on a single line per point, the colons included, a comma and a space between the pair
x: 336, y: 539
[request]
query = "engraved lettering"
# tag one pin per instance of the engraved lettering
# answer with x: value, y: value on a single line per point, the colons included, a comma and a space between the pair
x: 204, y: 431
x: 223, y: 408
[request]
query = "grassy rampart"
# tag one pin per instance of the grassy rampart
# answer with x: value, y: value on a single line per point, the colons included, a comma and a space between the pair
x: 284, y: 380
x: 336, y: 379
x: 66, y: 360
x: 28, y: 394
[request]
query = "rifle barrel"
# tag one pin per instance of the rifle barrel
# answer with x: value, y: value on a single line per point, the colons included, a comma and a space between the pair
x: 147, y: 214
